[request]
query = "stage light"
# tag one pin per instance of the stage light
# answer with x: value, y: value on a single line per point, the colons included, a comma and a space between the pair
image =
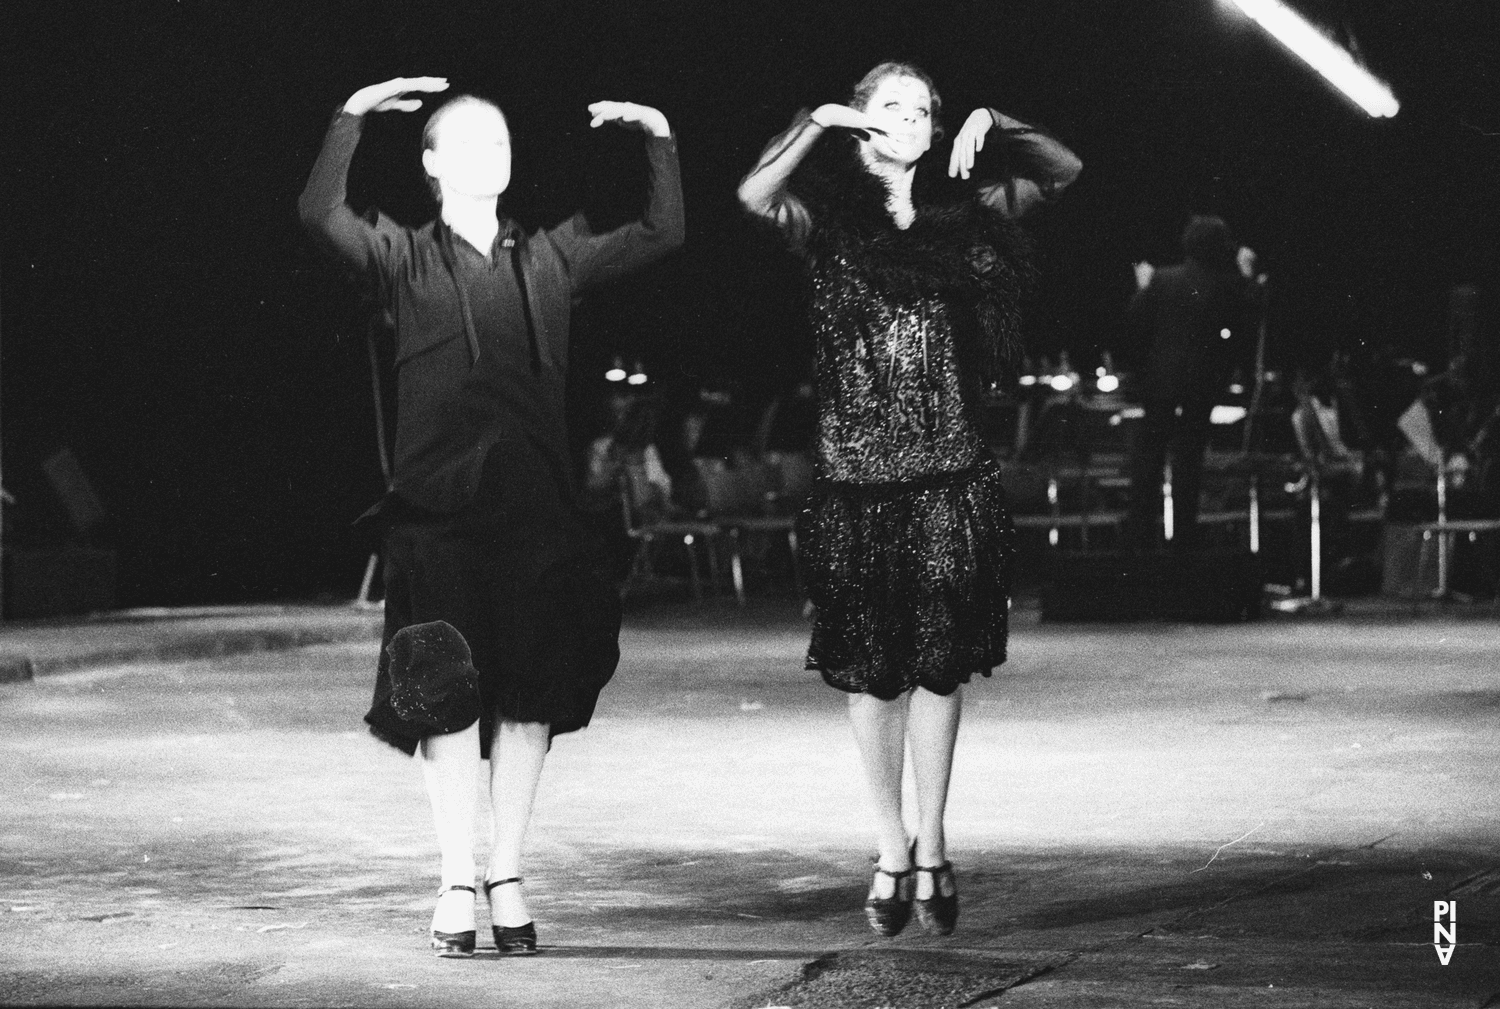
x: 1062, y: 383
x: 1226, y: 415
x: 1224, y: 333
x: 1333, y: 62
x: 1028, y: 380
x: 1108, y: 383
x: 638, y: 377
x: 617, y: 372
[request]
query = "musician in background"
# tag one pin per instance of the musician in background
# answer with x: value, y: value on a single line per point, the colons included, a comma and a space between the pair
x: 1454, y: 427
x: 1201, y: 315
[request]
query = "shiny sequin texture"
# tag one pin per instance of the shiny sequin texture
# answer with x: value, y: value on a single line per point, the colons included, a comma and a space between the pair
x: 908, y: 543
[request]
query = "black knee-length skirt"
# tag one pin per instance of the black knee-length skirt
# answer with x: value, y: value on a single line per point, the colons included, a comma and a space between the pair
x: 910, y: 581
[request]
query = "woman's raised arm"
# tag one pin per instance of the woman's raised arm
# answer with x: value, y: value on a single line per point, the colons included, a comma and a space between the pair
x: 1039, y: 165
x: 763, y: 192
x: 321, y: 206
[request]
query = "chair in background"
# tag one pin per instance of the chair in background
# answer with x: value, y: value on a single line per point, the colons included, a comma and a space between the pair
x: 646, y: 533
x: 755, y: 499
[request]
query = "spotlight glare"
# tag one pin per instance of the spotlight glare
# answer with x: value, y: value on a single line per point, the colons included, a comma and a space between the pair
x: 1332, y: 61
x: 639, y: 378
x: 615, y: 375
x: 1028, y: 380
x: 1108, y: 383
x: 1062, y: 383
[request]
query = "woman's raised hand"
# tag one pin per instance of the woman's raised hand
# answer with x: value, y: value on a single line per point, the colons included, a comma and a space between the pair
x: 843, y: 117
x: 642, y: 117
x: 969, y: 142
x: 387, y: 96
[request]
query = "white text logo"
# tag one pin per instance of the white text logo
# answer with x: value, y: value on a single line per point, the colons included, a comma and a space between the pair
x: 1444, y: 933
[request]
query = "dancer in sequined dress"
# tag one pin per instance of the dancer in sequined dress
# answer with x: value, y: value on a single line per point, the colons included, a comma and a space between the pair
x: 916, y: 281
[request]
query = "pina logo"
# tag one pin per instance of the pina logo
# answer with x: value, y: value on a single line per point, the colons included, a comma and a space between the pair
x: 1442, y: 933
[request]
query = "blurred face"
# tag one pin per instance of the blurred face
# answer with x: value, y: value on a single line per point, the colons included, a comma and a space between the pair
x: 471, y: 151
x: 902, y: 106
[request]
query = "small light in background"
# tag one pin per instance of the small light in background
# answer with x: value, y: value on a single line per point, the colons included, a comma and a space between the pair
x: 1236, y: 389
x: 1224, y: 333
x: 1108, y: 383
x: 638, y: 376
x: 1028, y: 380
x: 616, y: 372
x: 1062, y: 383
x: 1226, y: 415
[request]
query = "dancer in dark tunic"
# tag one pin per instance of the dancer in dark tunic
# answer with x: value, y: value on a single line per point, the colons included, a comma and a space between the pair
x: 915, y: 305
x: 481, y: 527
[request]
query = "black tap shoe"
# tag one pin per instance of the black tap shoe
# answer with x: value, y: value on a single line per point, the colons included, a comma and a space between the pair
x: 512, y: 940
x: 453, y: 944
x: 888, y: 915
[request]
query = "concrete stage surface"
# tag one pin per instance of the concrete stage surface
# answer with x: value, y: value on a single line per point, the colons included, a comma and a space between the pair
x: 1163, y: 815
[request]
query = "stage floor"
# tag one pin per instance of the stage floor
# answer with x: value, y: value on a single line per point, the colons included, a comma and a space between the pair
x: 1217, y: 815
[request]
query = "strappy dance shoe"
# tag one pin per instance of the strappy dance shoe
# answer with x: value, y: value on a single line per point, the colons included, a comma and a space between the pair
x: 453, y: 944
x: 938, y: 913
x: 511, y: 940
x: 888, y: 915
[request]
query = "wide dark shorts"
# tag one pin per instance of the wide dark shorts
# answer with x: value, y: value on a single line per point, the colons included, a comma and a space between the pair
x: 529, y: 589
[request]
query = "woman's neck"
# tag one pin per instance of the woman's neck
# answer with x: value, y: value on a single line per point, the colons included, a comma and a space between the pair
x: 897, y: 178
x: 472, y: 218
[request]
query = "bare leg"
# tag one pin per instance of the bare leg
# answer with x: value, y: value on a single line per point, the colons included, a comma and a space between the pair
x: 880, y: 732
x: 450, y: 766
x: 516, y: 758
x: 932, y: 725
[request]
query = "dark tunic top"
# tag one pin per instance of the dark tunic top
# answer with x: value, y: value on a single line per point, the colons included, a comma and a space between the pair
x: 466, y: 384
x: 480, y: 524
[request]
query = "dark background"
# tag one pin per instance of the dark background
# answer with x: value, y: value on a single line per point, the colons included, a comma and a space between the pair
x: 166, y: 319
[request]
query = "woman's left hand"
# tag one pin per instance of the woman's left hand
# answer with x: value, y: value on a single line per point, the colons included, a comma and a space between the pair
x: 642, y: 117
x: 970, y: 141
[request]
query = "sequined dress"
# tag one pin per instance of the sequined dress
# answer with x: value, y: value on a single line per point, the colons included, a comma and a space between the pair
x: 908, y: 544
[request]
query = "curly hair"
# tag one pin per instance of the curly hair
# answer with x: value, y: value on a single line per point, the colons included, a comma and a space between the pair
x: 860, y: 97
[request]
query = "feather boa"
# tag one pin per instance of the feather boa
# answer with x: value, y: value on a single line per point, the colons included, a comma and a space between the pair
x: 973, y: 258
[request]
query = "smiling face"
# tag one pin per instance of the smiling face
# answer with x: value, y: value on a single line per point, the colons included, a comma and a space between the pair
x: 902, y: 106
x: 468, y: 149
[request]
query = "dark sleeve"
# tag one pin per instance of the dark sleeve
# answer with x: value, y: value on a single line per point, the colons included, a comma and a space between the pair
x: 363, y: 245
x: 1035, y: 167
x: 786, y: 210
x: 1142, y: 308
x: 1251, y: 306
x: 594, y: 259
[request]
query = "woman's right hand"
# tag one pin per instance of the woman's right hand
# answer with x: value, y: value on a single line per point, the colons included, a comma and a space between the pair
x: 842, y: 116
x: 386, y: 96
